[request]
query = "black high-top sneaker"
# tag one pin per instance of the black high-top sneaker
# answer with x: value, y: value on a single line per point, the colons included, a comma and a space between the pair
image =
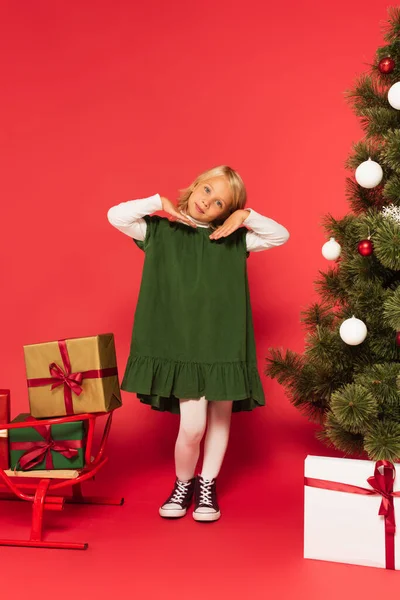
x: 205, y: 500
x: 179, y: 500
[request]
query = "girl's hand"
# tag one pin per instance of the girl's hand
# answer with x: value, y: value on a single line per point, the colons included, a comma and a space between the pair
x: 233, y: 222
x: 170, y: 209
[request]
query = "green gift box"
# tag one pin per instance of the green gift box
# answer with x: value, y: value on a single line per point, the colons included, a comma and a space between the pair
x: 60, y: 446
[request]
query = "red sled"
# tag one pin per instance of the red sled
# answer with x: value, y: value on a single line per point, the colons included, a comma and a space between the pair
x: 48, y: 492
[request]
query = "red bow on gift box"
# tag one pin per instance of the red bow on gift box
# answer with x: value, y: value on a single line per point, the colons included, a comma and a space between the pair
x: 39, y: 449
x: 382, y: 484
x: 72, y: 380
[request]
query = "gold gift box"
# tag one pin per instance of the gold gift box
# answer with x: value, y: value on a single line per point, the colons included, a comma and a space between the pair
x: 99, y: 394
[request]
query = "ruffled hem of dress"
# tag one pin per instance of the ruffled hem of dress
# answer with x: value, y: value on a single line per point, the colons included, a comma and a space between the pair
x: 160, y: 383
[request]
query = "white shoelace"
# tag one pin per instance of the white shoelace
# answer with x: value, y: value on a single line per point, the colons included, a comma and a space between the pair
x: 205, y: 492
x: 180, y: 493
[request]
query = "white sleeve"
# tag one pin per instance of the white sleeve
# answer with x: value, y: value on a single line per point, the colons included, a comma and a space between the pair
x: 127, y: 216
x: 264, y: 233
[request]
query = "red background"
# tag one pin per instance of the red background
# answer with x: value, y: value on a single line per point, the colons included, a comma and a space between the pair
x: 102, y: 102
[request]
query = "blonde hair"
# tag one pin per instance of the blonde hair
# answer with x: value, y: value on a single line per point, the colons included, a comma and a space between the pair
x: 238, y: 190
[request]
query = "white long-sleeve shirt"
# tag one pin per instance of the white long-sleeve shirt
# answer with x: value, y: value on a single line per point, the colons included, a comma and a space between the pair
x: 127, y: 217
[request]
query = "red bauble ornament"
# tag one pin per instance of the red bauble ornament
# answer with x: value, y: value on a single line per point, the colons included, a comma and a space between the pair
x: 398, y: 338
x: 365, y: 247
x: 386, y: 65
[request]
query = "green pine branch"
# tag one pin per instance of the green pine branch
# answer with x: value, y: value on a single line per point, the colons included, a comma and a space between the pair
x: 391, y: 151
x: 362, y: 151
x: 329, y: 286
x: 354, y: 407
x: 376, y: 121
x: 387, y: 244
x: 362, y: 199
x: 391, y: 309
x: 391, y: 29
x: 380, y: 380
x: 366, y: 94
x: 391, y: 190
x: 318, y: 314
x: 335, y: 435
x: 382, y: 442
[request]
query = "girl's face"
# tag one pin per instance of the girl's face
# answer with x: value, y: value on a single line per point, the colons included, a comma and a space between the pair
x: 210, y: 200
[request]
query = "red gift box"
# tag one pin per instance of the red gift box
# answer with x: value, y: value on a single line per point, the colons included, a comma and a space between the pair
x: 4, y: 418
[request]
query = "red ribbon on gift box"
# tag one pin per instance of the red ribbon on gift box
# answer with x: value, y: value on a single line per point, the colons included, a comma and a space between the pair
x: 72, y: 381
x: 382, y: 484
x: 37, y: 450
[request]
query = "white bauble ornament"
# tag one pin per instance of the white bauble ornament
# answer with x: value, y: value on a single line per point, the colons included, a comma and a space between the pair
x: 353, y: 331
x: 369, y: 174
x: 394, y: 96
x: 331, y: 250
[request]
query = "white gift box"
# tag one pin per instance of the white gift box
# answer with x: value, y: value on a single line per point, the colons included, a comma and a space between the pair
x: 341, y: 526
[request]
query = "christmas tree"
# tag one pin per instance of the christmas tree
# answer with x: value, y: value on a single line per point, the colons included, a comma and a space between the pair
x: 348, y: 378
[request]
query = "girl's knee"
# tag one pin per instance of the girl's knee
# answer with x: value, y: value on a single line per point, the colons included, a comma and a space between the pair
x: 191, y: 434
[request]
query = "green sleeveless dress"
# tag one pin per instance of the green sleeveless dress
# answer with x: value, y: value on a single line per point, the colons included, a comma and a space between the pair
x: 193, y: 329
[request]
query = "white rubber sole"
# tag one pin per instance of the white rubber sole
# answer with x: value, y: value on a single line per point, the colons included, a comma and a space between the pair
x: 206, y: 516
x: 172, y: 512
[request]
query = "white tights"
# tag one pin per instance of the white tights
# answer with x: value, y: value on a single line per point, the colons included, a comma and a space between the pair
x: 194, y: 417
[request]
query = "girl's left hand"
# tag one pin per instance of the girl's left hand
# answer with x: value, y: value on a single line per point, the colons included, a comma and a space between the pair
x: 233, y: 222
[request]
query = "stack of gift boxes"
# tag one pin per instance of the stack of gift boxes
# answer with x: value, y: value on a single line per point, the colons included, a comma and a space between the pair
x: 66, y: 377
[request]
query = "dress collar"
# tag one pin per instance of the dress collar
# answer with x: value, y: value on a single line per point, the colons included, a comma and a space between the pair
x: 198, y: 223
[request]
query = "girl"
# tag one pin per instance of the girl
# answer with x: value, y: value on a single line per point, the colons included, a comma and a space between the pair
x: 193, y: 350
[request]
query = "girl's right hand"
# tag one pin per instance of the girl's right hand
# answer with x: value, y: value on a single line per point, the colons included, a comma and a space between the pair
x: 170, y: 209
